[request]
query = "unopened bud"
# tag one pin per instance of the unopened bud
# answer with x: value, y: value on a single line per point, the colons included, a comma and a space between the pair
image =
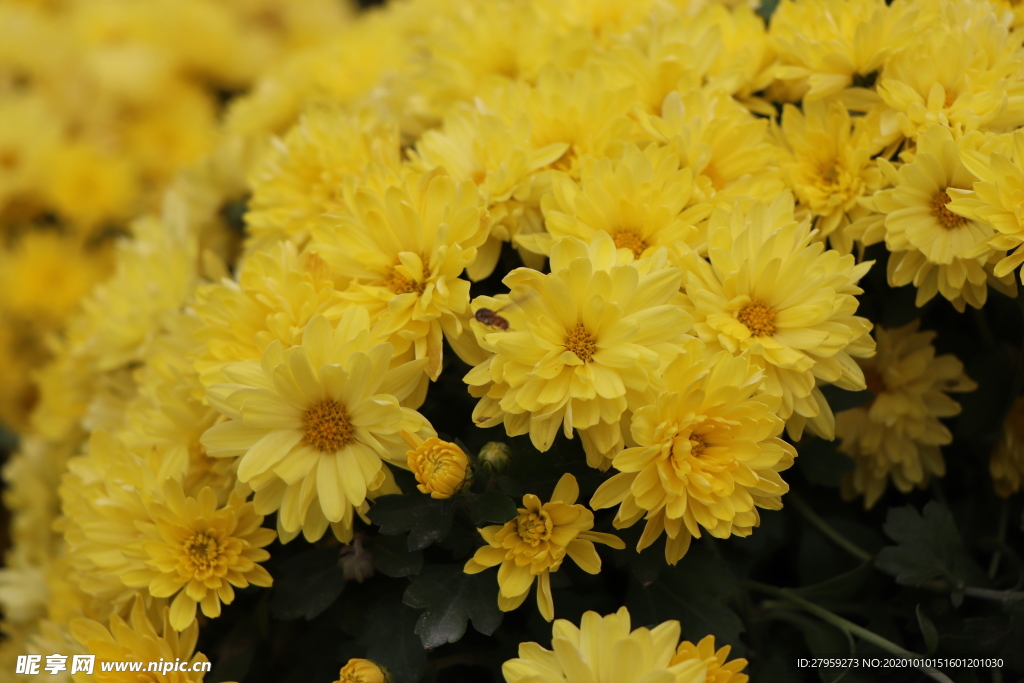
x: 495, y: 456
x: 441, y: 467
x: 356, y: 561
x: 363, y: 671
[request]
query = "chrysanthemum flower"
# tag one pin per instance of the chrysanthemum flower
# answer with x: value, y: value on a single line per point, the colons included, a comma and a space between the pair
x: 604, y: 650
x: 769, y: 288
x: 930, y: 245
x: 585, y: 343
x: 719, y: 670
x: 362, y: 671
x: 897, y: 436
x: 1007, y: 463
x: 138, y: 641
x: 313, y: 424
x: 404, y: 248
x: 535, y: 543
x: 441, y: 468
x: 196, y: 551
x: 642, y: 200
x: 707, y: 454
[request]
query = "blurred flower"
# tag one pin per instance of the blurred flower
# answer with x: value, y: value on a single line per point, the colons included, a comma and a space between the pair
x: 1007, y: 463
x: 441, y: 467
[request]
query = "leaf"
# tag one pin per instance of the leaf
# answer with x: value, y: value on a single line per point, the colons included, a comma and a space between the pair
x: 392, y: 557
x: 824, y: 641
x: 389, y: 638
x: 841, y: 399
x: 234, y: 655
x: 450, y: 598
x: 307, y: 584
x: 427, y: 520
x: 928, y: 547
x: 845, y: 586
x: 822, y: 464
x: 928, y: 630
x: 491, y: 507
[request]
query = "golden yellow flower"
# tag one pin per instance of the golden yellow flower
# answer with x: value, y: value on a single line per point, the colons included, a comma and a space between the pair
x: 707, y: 454
x: 535, y: 543
x: 604, y: 650
x: 718, y: 670
x: 314, y: 424
x: 87, y: 187
x: 897, y: 436
x: 1007, y: 463
x: 441, y: 467
x: 769, y: 288
x: 196, y: 551
x: 362, y: 671
x: 585, y: 343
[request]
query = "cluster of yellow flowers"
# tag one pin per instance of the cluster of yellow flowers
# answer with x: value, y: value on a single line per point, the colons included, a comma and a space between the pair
x: 701, y: 289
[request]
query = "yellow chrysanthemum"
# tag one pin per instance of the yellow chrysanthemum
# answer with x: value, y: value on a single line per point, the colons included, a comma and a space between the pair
x: 535, y: 543
x: 314, y: 424
x: 642, y: 200
x: 719, y: 671
x: 604, y: 650
x: 708, y: 454
x: 139, y: 641
x: 897, y: 436
x: 930, y: 245
x: 441, y: 468
x: 768, y: 288
x: 87, y: 187
x: 362, y: 671
x: 404, y: 249
x: 196, y: 551
x: 1007, y: 463
x: 585, y: 343
x: 29, y: 134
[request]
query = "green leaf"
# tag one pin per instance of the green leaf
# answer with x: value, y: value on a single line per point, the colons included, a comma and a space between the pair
x: 450, y: 598
x: 392, y: 557
x: 307, y: 584
x: 825, y: 641
x: 492, y: 507
x: 841, y: 399
x: 821, y: 463
x: 427, y: 519
x: 839, y: 588
x: 928, y: 630
x: 389, y: 638
x: 234, y: 655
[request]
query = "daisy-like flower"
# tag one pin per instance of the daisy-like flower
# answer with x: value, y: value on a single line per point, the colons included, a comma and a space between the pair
x: 535, y: 543
x: 604, y: 650
x: 1007, y: 463
x: 196, y: 551
x: 898, y: 435
x: 707, y: 454
x: 720, y: 670
x: 642, y: 200
x: 584, y: 344
x: 769, y: 288
x: 314, y: 424
x: 930, y: 245
x: 441, y: 468
x: 403, y: 247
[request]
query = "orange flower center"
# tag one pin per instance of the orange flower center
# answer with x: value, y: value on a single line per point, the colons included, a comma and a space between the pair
x: 400, y: 284
x: 627, y: 238
x: 581, y: 342
x: 534, y: 527
x: 697, y: 445
x: 948, y: 219
x: 327, y: 426
x: 759, y: 318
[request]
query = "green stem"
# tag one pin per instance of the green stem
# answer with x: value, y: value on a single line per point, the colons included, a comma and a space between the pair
x: 827, y: 529
x: 996, y: 596
x: 846, y: 626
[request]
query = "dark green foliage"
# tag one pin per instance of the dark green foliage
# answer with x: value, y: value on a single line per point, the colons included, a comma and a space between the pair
x: 427, y: 520
x: 307, y: 584
x: 450, y: 598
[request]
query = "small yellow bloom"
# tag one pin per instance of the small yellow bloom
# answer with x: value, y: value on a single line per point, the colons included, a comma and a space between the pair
x: 718, y: 670
x: 441, y: 467
x: 1007, y: 463
x: 362, y: 671
x: 535, y: 543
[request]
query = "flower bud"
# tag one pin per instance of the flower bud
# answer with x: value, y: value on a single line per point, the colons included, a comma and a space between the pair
x: 495, y: 456
x: 363, y: 671
x: 356, y: 561
x: 441, y: 468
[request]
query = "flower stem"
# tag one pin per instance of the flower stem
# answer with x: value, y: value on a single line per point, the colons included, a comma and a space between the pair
x: 846, y: 626
x: 827, y: 529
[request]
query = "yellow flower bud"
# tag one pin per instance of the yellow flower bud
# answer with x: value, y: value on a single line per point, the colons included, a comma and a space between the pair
x: 495, y: 456
x: 362, y: 671
x: 441, y: 467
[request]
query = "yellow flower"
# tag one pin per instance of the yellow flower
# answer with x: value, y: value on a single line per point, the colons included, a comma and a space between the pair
x: 718, y: 670
x: 897, y: 436
x: 1007, y: 463
x: 88, y: 187
x: 314, y: 424
x: 362, y: 671
x: 29, y: 134
x: 642, y: 200
x: 139, y: 641
x: 196, y: 551
x: 585, y: 343
x: 604, y: 650
x: 535, y: 543
x: 707, y: 454
x: 441, y: 467
x: 768, y: 288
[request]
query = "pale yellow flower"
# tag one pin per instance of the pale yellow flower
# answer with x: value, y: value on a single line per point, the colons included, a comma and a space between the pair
x: 719, y: 670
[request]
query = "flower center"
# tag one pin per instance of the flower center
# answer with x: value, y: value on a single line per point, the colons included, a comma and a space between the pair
x: 203, y: 551
x: 627, y: 238
x: 759, y: 318
x: 327, y: 426
x: 948, y: 219
x: 948, y: 101
x: 400, y: 284
x: 534, y: 527
x: 697, y: 445
x: 581, y: 342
